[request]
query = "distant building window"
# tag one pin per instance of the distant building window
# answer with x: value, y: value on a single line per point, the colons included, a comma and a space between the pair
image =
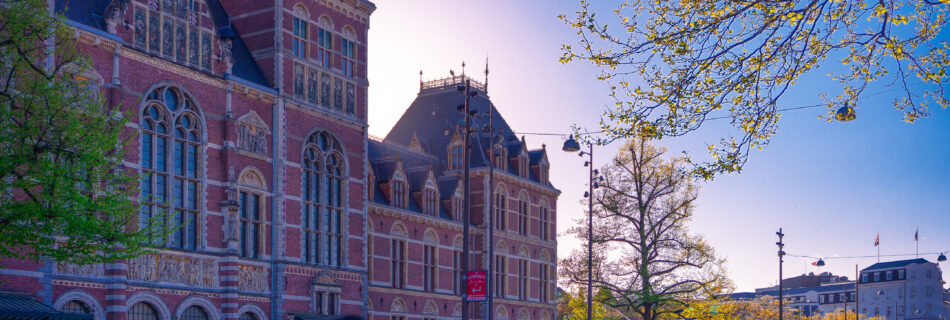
x: 429, y: 267
x: 523, y: 280
x: 864, y: 277
x: 456, y: 156
x: 457, y: 272
x: 398, y: 270
x: 821, y: 299
x: 523, y: 216
x: 890, y: 275
x: 900, y: 274
x: 543, y: 282
x: 457, y: 207
x: 430, y: 200
x: 247, y: 316
x: 877, y: 276
x: 929, y: 291
x: 928, y: 274
x: 501, y: 209
x: 501, y: 275
x: 545, y: 222
x: 399, y: 193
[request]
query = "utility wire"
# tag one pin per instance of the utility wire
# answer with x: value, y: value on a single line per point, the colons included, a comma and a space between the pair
x: 726, y: 117
x: 862, y: 257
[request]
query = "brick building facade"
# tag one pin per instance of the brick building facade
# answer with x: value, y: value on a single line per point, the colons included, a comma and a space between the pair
x: 250, y: 126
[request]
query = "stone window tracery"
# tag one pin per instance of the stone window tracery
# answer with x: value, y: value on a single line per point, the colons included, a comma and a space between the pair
x: 324, y: 198
x: 171, y: 153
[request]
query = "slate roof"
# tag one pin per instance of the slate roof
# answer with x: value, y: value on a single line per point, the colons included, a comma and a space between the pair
x: 90, y: 14
x: 895, y: 264
x: 24, y: 307
x: 383, y: 157
x: 435, y: 109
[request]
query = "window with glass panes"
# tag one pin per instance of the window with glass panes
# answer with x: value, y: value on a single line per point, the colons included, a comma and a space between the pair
x: 501, y: 275
x: 75, y: 307
x: 545, y: 222
x: 543, y: 282
x: 398, y: 269
x: 457, y: 162
x: 247, y: 316
x: 171, y: 166
x: 327, y: 303
x: 252, y: 224
x: 501, y: 209
x: 324, y: 47
x: 399, y: 193
x: 300, y: 36
x: 429, y: 267
x: 324, y: 198
x: 457, y: 208
x: 142, y: 311
x: 523, y: 279
x: 194, y: 313
x: 431, y: 201
x: 348, y: 49
x: 523, y: 207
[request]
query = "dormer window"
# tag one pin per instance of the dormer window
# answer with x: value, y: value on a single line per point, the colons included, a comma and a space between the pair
x: 399, y: 195
x: 456, y: 154
x: 543, y: 172
x: 499, y: 159
x: 430, y: 199
x: 523, y: 165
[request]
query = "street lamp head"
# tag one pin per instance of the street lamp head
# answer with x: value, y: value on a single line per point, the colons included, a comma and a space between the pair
x: 586, y: 194
x: 880, y: 292
x: 820, y: 263
x: 845, y: 114
x: 941, y: 258
x: 571, y: 145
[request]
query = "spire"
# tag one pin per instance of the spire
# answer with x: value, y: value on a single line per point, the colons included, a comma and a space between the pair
x: 420, y: 80
x: 486, y: 73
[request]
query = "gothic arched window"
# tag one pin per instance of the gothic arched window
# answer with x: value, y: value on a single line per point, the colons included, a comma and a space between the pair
x: 324, y: 198
x: 142, y: 311
x: 171, y: 152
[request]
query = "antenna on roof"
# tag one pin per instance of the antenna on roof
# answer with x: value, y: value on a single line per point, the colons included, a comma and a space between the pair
x: 420, y: 80
x: 463, y: 68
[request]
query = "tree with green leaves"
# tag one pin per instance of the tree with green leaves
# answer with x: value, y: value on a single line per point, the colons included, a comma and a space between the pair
x: 645, y: 258
x: 66, y: 196
x: 575, y: 306
x: 673, y: 65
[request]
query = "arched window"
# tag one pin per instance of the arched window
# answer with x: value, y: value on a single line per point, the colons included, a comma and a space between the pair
x: 524, y: 205
x: 348, y: 50
x: 324, y: 199
x: 171, y: 165
x: 501, y: 209
x: 325, y: 42
x: 142, y: 311
x: 194, y: 313
x: 398, y: 254
x: 430, y: 261
x: 75, y: 307
x: 252, y: 204
x: 300, y: 30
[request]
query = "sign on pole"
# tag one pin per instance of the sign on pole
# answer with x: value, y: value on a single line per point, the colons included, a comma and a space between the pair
x: 476, y: 285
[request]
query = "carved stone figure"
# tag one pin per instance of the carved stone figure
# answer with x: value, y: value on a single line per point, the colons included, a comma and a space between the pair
x: 142, y: 268
x: 170, y: 268
x: 226, y: 46
x: 252, y: 139
x: 91, y: 270
x: 232, y: 225
x: 252, y: 279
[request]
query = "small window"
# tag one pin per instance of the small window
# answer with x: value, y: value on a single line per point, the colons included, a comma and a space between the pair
x: 890, y: 275
x: 877, y: 276
x: 900, y: 274
x: 194, y: 313
x: 300, y: 37
x: 142, y: 311
x: 252, y: 224
x: 864, y: 277
x: 431, y: 200
x: 324, y: 46
x: 348, y: 51
x: 247, y: 316
x: 429, y: 267
x: 398, y: 270
x: 399, y: 194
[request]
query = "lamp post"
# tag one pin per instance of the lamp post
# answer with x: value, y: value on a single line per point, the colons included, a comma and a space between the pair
x: 466, y: 220
x: 571, y: 145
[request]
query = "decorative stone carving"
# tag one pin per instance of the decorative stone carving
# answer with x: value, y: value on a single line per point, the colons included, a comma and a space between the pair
x: 175, y: 269
x: 252, y: 133
x: 325, y: 278
x: 252, y: 279
x: 430, y: 308
x: 227, y: 56
x: 398, y: 306
x: 89, y: 270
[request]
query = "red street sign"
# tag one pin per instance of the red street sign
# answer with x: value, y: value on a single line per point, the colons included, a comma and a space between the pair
x: 476, y: 286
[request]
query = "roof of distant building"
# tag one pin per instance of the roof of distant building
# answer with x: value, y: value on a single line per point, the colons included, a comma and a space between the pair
x: 820, y: 289
x: 895, y: 264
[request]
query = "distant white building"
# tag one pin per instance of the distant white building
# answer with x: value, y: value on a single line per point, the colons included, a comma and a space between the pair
x: 905, y: 289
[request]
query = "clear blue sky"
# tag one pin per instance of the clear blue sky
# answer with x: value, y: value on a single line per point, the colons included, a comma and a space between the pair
x: 831, y: 186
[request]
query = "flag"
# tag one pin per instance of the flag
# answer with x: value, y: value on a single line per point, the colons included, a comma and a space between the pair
x: 877, y: 240
x: 915, y: 234
x: 815, y: 263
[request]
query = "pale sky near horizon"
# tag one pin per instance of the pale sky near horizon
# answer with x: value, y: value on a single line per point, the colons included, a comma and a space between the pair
x: 832, y: 186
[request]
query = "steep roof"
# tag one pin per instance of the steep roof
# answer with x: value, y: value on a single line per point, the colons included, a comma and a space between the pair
x: 383, y: 157
x: 895, y: 264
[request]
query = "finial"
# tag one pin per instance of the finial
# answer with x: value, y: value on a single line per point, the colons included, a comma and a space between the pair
x: 420, y: 79
x: 463, y: 68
